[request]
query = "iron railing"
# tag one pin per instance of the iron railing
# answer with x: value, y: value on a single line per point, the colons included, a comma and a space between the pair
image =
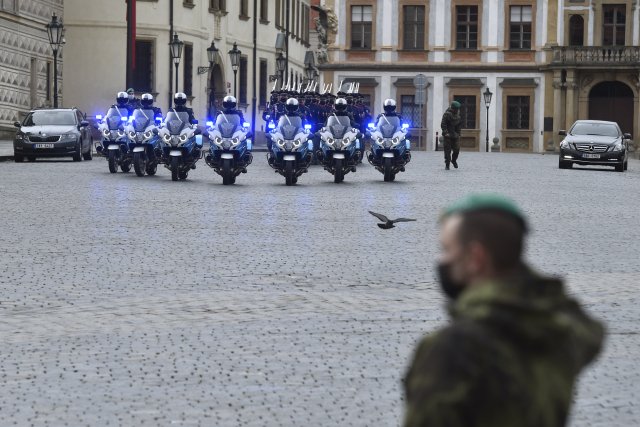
x: 596, y: 55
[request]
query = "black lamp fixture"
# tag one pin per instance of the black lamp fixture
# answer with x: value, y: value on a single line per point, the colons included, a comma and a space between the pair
x: 55, y: 31
x: 212, y: 56
x: 487, y: 101
x: 234, y: 54
x: 176, y: 53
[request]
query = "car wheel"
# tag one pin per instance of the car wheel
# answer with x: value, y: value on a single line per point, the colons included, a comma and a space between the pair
x: 18, y: 159
x: 620, y: 167
x: 89, y: 154
x: 565, y: 165
x: 77, y: 157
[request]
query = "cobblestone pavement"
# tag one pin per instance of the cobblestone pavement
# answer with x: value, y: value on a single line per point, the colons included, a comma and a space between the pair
x: 141, y: 301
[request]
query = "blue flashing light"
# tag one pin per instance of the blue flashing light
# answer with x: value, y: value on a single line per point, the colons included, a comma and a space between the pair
x: 310, y: 145
x: 307, y: 127
x: 209, y: 124
x: 405, y: 126
x: 272, y: 125
x: 246, y: 124
x: 124, y: 118
x: 408, y: 144
x: 371, y: 125
x: 98, y: 116
x: 249, y: 145
x: 158, y: 118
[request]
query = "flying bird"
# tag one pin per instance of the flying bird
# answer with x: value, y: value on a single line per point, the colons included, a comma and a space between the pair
x: 389, y: 223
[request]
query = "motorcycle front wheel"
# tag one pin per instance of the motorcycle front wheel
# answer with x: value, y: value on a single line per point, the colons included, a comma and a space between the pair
x: 139, y: 163
x: 338, y: 176
x: 113, y: 162
x: 227, y: 172
x: 289, y: 177
x: 388, y: 170
x: 175, y: 168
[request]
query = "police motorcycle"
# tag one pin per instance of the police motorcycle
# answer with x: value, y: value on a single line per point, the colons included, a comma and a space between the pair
x: 390, y: 146
x: 144, y: 139
x: 230, y: 147
x: 340, y: 148
x: 291, y: 149
x: 181, y: 150
x: 114, y: 146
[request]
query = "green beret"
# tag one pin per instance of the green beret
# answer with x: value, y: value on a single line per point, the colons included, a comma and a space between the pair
x: 479, y: 202
x: 456, y: 104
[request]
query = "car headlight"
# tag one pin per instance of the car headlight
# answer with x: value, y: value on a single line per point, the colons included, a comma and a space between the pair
x: 68, y: 137
x: 617, y: 147
x: 564, y: 144
x: 132, y: 134
x: 19, y: 137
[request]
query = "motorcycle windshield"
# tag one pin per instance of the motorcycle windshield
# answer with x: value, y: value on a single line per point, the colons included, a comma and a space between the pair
x: 141, y: 119
x: 289, y: 126
x: 388, y: 126
x: 338, y: 125
x: 228, y: 124
x: 176, y: 121
x: 114, y: 117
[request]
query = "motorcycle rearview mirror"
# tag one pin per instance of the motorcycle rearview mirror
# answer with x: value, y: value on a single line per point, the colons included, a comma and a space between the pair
x: 562, y: 133
x: 627, y: 136
x: 17, y: 124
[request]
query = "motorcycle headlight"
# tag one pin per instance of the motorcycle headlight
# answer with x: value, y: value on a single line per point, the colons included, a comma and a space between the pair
x: 346, y: 141
x: 166, y: 137
x: 132, y: 134
x: 380, y: 141
x: 148, y: 134
x: 330, y: 141
x: 297, y: 142
x: 395, y: 140
x: 280, y: 143
x: 183, y: 137
x: 235, y: 141
x: 106, y: 133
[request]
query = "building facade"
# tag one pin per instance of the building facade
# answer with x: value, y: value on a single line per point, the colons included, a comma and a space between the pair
x: 26, y: 59
x: 546, y: 63
x: 96, y: 50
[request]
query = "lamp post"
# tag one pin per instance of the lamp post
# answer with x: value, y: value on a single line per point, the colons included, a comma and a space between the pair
x: 55, y: 31
x: 487, y: 101
x: 281, y: 64
x: 234, y: 54
x: 176, y: 52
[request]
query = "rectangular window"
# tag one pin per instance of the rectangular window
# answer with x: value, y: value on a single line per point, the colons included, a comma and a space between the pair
x: 279, y: 14
x: 307, y: 18
x: 10, y: 6
x: 264, y: 76
x: 517, y: 112
x: 466, y: 27
x: 613, y: 31
x: 188, y: 69
x: 244, y: 8
x: 48, y: 83
x: 143, y: 73
x: 188, y: 3
x: 410, y: 111
x: 242, y: 96
x: 264, y: 10
x: 218, y: 5
x: 467, y: 111
x: 520, y: 18
x: 298, y: 12
x: 413, y: 27
x: 361, y: 27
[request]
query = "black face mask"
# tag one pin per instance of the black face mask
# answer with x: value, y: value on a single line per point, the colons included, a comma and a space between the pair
x: 450, y: 287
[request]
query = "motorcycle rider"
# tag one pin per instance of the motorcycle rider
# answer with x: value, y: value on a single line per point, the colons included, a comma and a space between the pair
x: 180, y: 105
x: 122, y: 102
x: 341, y: 110
x: 229, y: 107
x: 389, y: 107
x: 146, y: 103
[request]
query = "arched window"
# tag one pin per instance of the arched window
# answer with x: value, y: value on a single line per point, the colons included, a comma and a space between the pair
x: 576, y: 30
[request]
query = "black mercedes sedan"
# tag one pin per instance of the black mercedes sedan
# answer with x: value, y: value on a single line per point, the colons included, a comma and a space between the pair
x: 594, y: 142
x: 53, y: 133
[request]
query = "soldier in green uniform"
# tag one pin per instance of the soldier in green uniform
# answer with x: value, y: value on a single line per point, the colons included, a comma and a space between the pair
x: 516, y: 344
x: 451, y: 127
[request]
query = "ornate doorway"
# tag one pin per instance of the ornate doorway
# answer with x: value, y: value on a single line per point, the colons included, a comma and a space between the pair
x: 612, y: 101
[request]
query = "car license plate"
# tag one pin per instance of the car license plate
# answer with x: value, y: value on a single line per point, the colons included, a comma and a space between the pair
x: 591, y: 156
x: 43, y: 145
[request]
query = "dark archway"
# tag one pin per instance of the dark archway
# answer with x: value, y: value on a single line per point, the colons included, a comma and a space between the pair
x: 217, y: 90
x: 576, y: 30
x: 612, y: 101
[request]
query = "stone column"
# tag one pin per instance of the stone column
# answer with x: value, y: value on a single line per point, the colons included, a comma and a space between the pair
x: 571, y: 97
x: 557, y: 107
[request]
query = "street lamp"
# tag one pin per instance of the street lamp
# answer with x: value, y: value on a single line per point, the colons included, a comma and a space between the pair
x: 281, y: 64
x: 176, y: 52
x: 55, y: 31
x: 487, y: 101
x: 212, y: 57
x: 234, y: 54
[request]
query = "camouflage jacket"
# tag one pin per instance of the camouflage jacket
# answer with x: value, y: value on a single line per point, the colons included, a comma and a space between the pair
x: 451, y: 124
x: 510, y: 357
